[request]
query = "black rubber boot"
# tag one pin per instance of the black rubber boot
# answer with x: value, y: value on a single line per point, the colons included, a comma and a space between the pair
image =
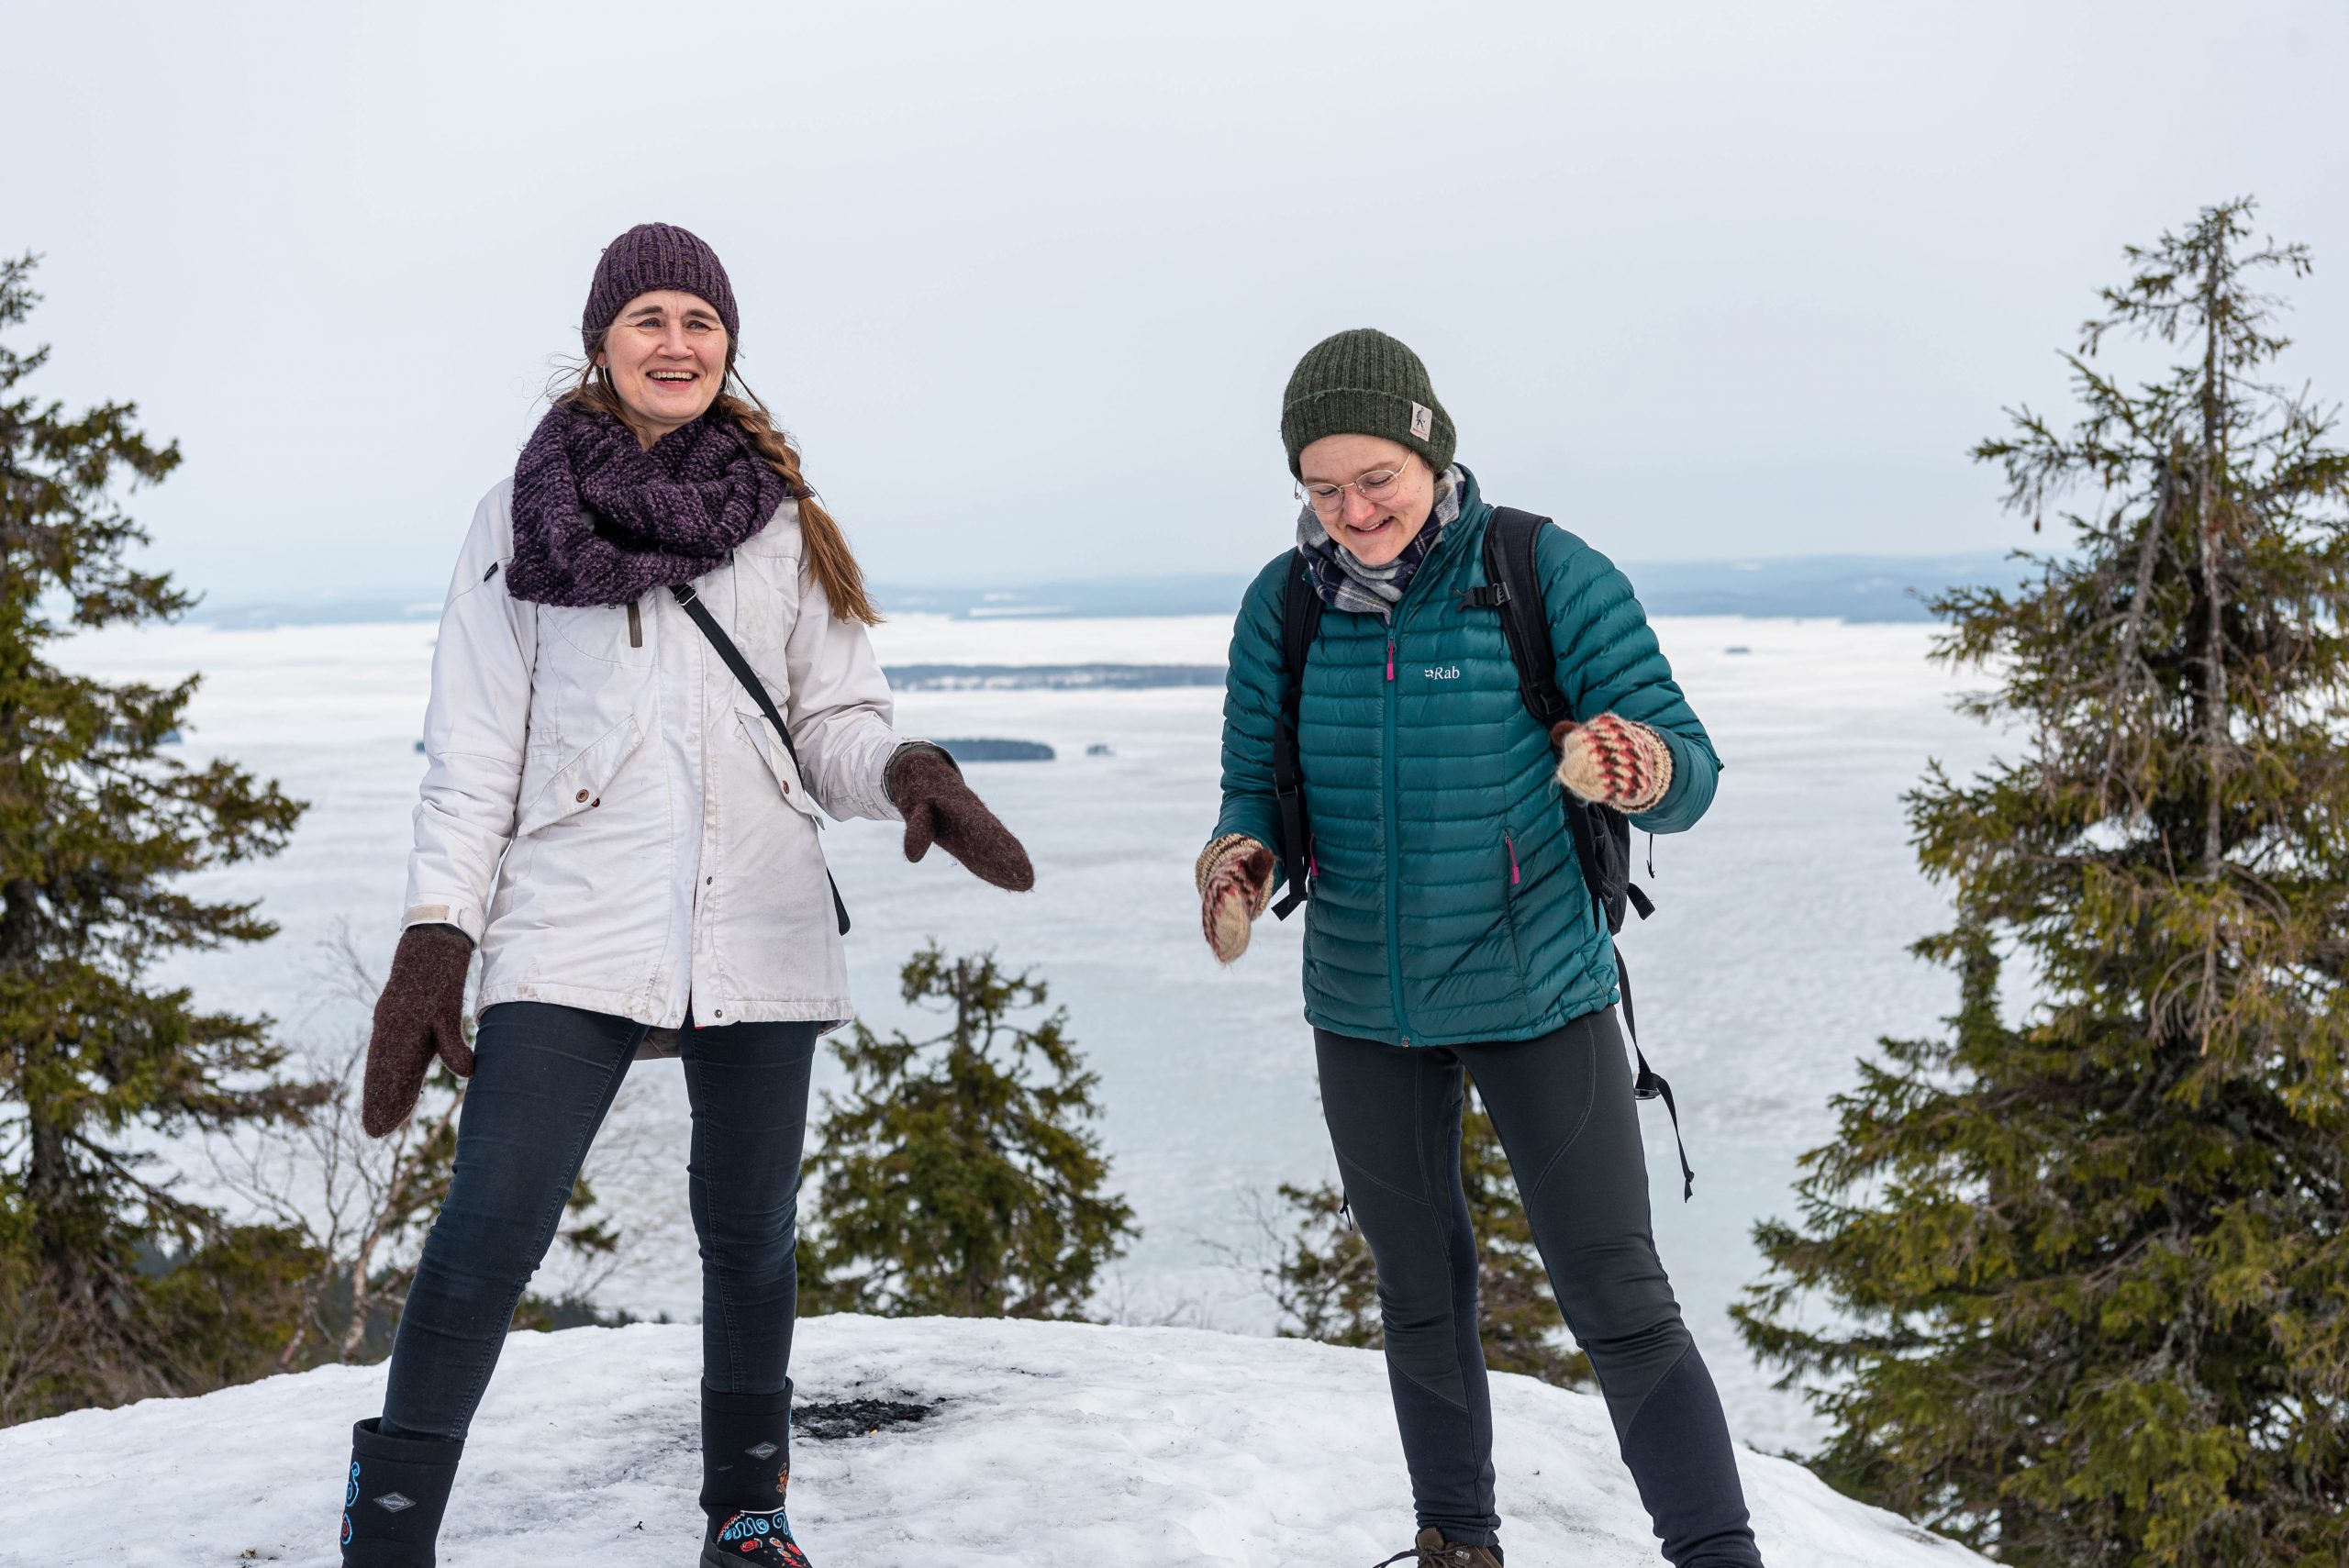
x: 1432, y: 1548
x: 745, y: 1470
x: 393, y: 1498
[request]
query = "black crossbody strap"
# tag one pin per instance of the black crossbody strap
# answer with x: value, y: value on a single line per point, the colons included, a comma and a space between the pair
x: 733, y: 659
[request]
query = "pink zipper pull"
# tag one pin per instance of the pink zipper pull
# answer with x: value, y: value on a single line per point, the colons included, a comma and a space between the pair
x: 1390, y: 658
x: 1513, y: 859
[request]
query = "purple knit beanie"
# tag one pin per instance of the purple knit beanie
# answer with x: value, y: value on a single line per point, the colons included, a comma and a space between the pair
x: 657, y: 256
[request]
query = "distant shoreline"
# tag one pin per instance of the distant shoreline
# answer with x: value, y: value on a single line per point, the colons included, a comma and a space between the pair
x: 1863, y: 589
x: 1050, y: 677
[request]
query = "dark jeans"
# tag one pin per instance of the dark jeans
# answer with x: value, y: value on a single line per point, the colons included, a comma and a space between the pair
x: 1563, y: 1106
x: 544, y: 1079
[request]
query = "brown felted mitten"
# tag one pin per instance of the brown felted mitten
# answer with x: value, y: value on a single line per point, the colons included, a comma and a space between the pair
x: 420, y: 1015
x: 1235, y: 881
x: 928, y: 788
x: 1613, y: 760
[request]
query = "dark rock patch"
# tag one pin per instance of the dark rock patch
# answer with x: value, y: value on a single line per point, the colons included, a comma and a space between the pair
x: 854, y: 1417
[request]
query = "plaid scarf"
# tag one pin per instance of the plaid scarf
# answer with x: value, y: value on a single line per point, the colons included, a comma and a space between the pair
x: 1345, y: 583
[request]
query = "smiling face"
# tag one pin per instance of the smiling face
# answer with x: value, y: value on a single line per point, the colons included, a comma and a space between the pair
x: 1375, y: 530
x: 666, y: 354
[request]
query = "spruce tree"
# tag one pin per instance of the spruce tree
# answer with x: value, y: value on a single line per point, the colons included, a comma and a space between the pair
x: 955, y: 1180
x: 1328, y: 1287
x: 112, y: 1285
x: 2087, y: 1253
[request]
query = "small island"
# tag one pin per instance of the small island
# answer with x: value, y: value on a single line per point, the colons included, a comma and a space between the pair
x: 993, y: 751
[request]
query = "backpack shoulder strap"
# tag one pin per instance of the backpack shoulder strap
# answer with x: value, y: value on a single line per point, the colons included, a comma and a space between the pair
x: 1513, y: 585
x: 1301, y: 609
x: 1300, y: 623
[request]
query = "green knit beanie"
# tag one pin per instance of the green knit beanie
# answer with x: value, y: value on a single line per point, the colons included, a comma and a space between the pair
x: 1363, y: 383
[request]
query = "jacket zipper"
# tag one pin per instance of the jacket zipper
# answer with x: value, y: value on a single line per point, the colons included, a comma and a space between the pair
x: 1394, y: 850
x: 635, y: 627
x: 1513, y: 878
x: 1387, y: 795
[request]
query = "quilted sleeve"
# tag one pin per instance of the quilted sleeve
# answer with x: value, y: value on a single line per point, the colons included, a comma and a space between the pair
x: 475, y: 724
x: 838, y: 708
x: 1252, y: 706
x: 1609, y: 662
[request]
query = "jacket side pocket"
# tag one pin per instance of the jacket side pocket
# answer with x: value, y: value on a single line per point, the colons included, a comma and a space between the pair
x: 1512, y: 870
x: 777, y: 757
x: 578, y: 783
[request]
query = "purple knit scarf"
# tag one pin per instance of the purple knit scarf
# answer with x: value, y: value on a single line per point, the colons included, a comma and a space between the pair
x: 659, y: 517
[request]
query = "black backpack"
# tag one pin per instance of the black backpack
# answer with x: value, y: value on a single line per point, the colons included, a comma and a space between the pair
x: 1602, y: 835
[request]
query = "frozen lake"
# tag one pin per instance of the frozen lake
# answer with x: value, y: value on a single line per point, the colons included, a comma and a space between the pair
x: 1778, y: 953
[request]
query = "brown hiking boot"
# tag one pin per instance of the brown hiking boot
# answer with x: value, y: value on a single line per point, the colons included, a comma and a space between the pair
x: 1429, y: 1550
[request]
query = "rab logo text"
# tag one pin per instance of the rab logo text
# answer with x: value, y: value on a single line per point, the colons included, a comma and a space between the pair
x: 1442, y: 673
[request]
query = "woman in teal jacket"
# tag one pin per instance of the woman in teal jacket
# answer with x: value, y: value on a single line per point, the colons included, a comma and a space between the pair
x: 1450, y: 932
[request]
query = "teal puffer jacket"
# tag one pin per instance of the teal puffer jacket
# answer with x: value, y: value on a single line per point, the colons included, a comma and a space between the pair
x: 1447, y: 906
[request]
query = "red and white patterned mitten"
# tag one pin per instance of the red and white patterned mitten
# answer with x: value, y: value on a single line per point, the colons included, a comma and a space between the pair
x: 1235, y: 880
x: 1613, y: 760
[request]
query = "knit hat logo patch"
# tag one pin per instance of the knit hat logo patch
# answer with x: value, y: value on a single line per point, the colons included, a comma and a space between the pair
x: 1423, y: 421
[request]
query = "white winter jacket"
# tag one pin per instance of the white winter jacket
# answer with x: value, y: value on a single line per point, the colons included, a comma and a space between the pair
x: 605, y: 810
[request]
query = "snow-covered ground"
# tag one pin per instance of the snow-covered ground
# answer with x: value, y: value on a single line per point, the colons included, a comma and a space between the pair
x: 1050, y: 1443
x: 1779, y: 953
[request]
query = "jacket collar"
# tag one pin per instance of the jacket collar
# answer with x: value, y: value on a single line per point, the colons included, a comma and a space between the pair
x: 1468, y: 524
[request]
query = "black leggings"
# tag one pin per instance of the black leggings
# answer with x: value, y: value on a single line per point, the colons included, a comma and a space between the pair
x: 1563, y: 1106
x: 544, y: 1079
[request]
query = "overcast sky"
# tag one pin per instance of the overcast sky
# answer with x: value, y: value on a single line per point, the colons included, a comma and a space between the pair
x: 1711, y: 279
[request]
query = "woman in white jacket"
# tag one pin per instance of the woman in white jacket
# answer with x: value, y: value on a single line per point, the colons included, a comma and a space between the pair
x: 611, y: 814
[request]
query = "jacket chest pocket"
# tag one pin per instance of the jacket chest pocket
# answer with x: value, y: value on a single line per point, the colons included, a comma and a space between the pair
x: 766, y: 603
x: 604, y: 634
x: 777, y: 760
x: 596, y: 666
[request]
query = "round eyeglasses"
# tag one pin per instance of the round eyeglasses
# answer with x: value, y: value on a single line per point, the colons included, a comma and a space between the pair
x: 1379, y: 486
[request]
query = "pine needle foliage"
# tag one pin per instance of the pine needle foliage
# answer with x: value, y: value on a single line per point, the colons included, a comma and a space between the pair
x: 2089, y: 1262
x: 112, y: 1286
x: 1327, y: 1286
x: 957, y: 1177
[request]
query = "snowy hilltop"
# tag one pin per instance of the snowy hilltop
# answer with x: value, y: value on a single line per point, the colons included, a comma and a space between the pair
x: 1030, y: 1444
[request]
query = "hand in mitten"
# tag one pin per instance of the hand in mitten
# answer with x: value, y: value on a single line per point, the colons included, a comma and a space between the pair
x: 1614, y: 762
x: 1235, y: 881
x: 928, y: 788
x: 420, y: 1015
